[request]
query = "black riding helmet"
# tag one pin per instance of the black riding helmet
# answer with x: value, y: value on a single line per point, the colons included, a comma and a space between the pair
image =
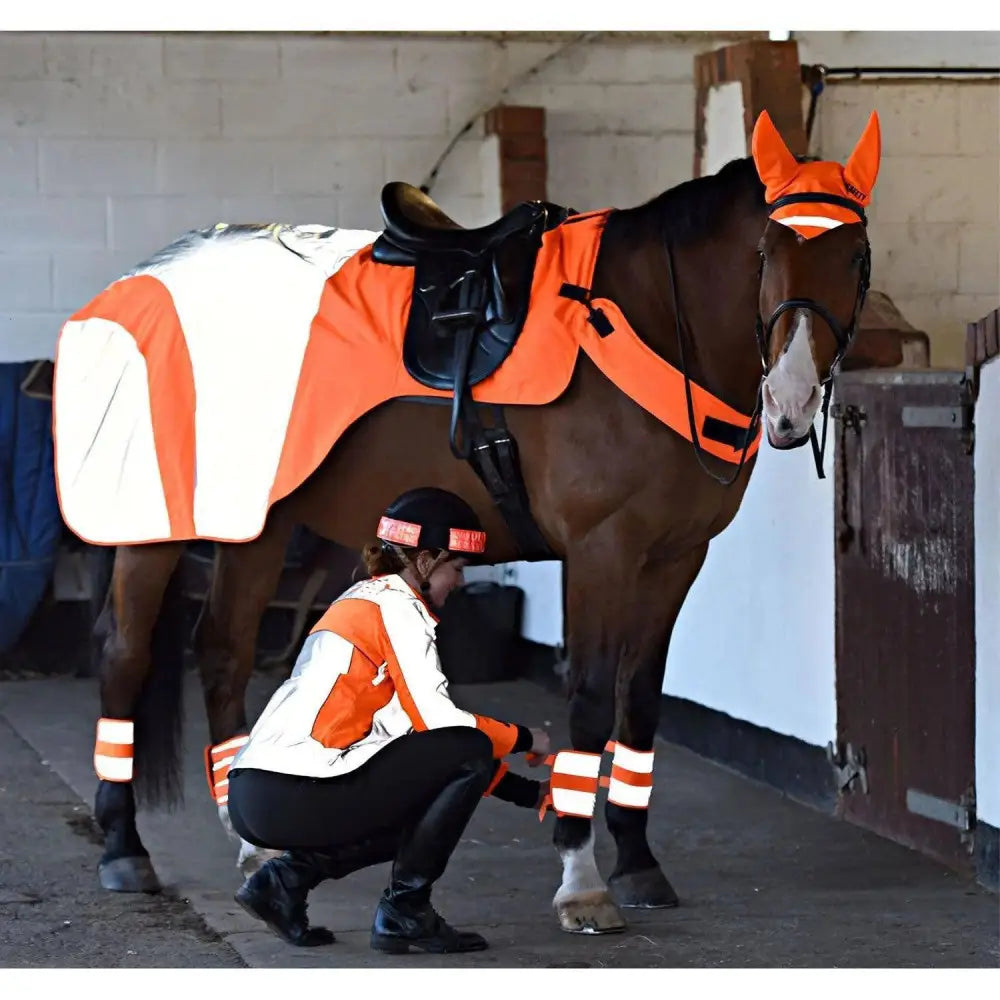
x: 429, y: 518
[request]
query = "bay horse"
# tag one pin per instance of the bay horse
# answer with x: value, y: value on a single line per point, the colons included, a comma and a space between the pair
x: 749, y: 282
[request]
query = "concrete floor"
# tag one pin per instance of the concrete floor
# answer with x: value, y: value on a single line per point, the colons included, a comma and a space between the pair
x: 763, y: 881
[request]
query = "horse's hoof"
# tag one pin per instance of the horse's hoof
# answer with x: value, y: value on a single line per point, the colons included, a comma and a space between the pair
x: 128, y: 875
x: 589, y: 913
x: 646, y: 890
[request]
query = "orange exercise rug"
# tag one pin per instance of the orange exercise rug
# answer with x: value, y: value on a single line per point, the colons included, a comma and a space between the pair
x: 210, y: 382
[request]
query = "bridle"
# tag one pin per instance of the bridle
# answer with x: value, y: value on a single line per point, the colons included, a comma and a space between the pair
x: 844, y: 337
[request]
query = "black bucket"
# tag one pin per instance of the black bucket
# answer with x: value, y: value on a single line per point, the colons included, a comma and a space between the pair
x: 480, y: 632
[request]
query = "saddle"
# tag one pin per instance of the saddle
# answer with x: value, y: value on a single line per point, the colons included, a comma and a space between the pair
x: 471, y: 286
x: 470, y: 299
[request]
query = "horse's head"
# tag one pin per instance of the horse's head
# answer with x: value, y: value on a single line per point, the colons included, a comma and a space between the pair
x: 815, y: 265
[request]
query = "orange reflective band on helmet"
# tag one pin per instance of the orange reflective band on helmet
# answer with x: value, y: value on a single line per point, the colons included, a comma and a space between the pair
x: 462, y: 540
x: 399, y: 532
x: 113, y: 749
x: 218, y: 760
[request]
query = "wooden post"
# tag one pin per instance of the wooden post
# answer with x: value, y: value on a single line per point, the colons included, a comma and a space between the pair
x: 770, y: 78
x: 522, y: 151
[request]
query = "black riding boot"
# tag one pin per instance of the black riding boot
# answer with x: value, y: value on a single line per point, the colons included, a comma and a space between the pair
x: 277, y: 892
x: 405, y: 918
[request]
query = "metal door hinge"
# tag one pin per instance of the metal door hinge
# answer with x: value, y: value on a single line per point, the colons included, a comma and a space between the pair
x: 961, y: 814
x: 849, y: 765
x: 958, y: 417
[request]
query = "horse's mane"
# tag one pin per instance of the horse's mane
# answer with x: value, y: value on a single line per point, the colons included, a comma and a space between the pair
x: 694, y: 209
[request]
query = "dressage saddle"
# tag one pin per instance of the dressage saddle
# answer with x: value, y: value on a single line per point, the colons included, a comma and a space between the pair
x: 415, y: 222
x: 471, y: 286
x: 471, y: 289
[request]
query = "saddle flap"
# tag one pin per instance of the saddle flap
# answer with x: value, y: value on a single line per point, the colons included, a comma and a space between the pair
x: 465, y: 317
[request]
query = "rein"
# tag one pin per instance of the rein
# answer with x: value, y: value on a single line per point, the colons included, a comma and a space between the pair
x: 695, y: 439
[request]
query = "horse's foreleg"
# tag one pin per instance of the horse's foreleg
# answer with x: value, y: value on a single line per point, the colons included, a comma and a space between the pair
x: 244, y: 581
x: 582, y: 901
x: 139, y: 582
x: 637, y: 879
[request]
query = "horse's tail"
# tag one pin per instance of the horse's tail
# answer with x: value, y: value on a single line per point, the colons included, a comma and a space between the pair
x: 158, y: 711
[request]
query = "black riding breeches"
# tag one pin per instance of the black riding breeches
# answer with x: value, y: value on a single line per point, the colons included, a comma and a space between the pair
x: 382, y: 798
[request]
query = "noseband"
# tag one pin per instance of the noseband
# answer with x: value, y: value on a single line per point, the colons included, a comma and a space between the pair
x: 844, y: 337
x: 764, y: 330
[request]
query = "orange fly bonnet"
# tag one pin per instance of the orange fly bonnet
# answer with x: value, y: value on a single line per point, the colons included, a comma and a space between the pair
x: 812, y: 198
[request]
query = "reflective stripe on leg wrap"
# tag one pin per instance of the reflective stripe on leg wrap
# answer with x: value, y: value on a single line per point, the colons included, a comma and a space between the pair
x: 113, y: 749
x: 573, y: 785
x: 218, y: 760
x: 631, y: 781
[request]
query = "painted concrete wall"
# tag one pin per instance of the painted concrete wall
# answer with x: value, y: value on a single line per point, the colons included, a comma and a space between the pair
x: 935, y: 215
x: 111, y: 145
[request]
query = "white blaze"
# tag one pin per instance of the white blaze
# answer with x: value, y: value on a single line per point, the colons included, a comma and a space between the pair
x: 791, y: 389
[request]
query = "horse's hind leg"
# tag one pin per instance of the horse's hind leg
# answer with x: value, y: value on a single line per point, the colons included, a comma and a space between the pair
x: 245, y: 578
x: 637, y: 880
x: 139, y: 584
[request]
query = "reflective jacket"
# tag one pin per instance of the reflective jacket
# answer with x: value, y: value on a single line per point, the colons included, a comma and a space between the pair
x: 368, y: 673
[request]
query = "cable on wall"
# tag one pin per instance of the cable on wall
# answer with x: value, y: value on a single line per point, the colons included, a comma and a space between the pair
x: 510, y: 85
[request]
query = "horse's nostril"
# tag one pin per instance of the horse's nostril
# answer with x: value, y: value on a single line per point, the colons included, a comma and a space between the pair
x: 784, y: 424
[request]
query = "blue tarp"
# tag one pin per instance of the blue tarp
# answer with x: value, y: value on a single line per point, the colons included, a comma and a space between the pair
x: 30, y: 522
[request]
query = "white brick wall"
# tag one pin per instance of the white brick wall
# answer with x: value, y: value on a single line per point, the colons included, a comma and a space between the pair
x: 113, y: 144
x: 935, y: 215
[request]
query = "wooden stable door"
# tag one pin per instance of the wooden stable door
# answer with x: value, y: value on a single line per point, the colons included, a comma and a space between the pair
x: 905, y: 630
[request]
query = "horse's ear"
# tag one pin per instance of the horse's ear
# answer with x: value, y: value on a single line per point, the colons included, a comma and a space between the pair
x: 862, y: 165
x: 775, y: 164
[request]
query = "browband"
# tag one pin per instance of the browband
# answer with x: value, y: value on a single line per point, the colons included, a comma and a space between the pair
x: 825, y: 199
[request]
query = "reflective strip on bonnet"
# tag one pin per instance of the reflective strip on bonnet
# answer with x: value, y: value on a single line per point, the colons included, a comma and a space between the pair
x: 819, y: 221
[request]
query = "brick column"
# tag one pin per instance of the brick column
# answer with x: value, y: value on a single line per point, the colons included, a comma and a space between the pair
x: 520, y: 132
x: 770, y: 77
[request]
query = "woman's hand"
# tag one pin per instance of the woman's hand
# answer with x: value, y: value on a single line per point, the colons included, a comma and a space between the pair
x: 540, y: 747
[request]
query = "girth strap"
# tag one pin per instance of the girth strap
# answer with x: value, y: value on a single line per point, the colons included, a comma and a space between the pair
x: 493, y: 455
